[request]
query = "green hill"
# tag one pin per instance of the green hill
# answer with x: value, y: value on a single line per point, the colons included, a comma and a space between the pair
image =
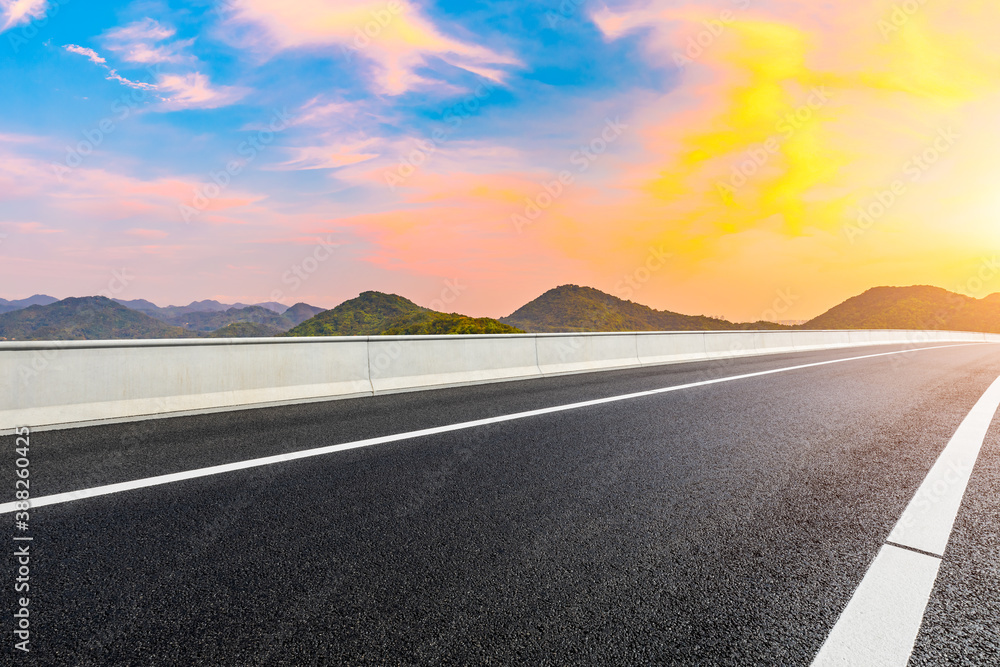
x: 246, y: 330
x: 368, y: 315
x: 446, y: 323
x: 375, y: 313
x: 84, y: 318
x: 573, y: 308
x: 917, y: 307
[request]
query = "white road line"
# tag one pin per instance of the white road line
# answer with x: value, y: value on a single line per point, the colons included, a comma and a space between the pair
x: 880, y: 623
x: 926, y: 523
x: 7, y: 508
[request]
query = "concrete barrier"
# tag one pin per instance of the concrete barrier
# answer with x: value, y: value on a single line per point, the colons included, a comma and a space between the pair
x: 774, y: 342
x: 725, y: 344
x: 574, y: 353
x: 402, y: 363
x: 82, y: 381
x: 821, y: 340
x: 668, y: 348
x: 859, y: 337
x: 63, y: 383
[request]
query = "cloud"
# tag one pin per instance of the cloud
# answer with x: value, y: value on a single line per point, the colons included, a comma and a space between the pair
x: 328, y: 157
x: 15, y: 12
x: 135, y: 43
x: 147, y: 233
x: 113, y: 75
x: 195, y: 91
x: 90, y: 54
x: 138, y: 43
x: 319, y: 112
x: 146, y: 42
x: 35, y: 228
x: 396, y: 36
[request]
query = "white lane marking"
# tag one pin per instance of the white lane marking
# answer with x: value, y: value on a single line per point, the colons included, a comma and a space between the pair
x: 927, y: 522
x: 7, y: 508
x: 880, y: 623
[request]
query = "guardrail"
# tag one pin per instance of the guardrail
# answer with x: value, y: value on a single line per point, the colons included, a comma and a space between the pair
x: 50, y: 383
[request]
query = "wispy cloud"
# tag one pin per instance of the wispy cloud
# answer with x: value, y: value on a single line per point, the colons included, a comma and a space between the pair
x: 139, y: 43
x: 195, y: 91
x: 89, y: 54
x: 113, y: 75
x: 35, y: 228
x: 143, y: 43
x: 328, y: 157
x: 397, y: 37
x: 147, y: 233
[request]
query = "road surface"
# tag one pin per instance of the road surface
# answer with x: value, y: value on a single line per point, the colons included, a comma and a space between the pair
x: 728, y: 520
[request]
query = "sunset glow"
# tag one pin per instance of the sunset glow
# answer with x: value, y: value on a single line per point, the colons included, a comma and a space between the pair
x: 727, y: 158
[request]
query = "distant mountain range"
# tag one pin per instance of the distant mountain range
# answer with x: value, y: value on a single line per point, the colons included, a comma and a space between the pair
x: 568, y: 308
x: 45, y: 318
x: 206, y: 306
x: 84, y: 318
x: 36, y: 300
x: 215, y: 319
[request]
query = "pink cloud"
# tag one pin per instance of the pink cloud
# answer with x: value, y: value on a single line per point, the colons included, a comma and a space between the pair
x: 327, y: 157
x: 34, y: 228
x: 397, y: 36
x: 90, y: 54
x: 195, y: 91
x: 147, y: 233
x: 15, y: 12
x: 113, y: 75
x: 137, y: 43
x: 144, y: 42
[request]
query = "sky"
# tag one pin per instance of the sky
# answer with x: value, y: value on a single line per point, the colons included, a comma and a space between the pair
x: 739, y: 158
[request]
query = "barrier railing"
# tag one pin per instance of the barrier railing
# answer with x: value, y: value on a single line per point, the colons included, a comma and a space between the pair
x: 73, y: 382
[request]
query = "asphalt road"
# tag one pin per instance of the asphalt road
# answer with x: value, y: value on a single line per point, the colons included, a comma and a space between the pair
x: 722, y: 524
